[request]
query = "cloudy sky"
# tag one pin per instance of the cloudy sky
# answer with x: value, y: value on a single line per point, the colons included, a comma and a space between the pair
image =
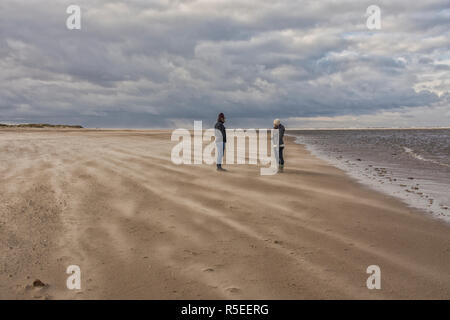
x: 166, y: 63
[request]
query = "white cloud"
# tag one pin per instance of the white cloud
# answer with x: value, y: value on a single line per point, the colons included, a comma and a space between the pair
x: 155, y: 63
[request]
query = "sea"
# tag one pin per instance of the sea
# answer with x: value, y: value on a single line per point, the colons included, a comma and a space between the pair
x: 411, y: 164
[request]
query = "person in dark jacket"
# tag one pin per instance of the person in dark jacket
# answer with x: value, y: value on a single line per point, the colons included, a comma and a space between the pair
x: 277, y: 125
x: 221, y: 140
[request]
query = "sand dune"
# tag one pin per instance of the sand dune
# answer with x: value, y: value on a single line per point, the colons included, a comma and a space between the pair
x: 140, y: 227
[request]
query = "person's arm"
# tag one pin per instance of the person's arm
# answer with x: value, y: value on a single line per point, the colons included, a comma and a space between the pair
x: 275, y: 137
x: 224, y: 133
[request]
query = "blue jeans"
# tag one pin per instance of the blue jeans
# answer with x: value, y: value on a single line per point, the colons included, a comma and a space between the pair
x: 220, y: 149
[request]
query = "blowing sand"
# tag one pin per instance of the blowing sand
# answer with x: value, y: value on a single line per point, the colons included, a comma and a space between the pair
x: 141, y: 227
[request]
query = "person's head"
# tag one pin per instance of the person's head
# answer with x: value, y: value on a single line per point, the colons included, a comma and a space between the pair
x: 221, y: 117
x: 276, y: 123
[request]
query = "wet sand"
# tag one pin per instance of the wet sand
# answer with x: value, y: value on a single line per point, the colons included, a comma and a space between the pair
x: 141, y: 227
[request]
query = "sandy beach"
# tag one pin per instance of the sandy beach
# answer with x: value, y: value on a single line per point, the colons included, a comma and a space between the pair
x: 141, y: 227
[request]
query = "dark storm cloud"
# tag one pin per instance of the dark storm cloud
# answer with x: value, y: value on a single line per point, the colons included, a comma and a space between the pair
x: 164, y: 63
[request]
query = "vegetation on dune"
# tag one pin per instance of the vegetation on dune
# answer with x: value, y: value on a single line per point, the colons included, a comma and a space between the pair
x: 40, y: 125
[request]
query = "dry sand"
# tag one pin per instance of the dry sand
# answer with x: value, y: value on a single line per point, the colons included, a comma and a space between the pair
x: 141, y: 227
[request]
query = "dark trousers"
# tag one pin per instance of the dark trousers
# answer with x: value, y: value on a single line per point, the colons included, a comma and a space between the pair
x: 280, y: 153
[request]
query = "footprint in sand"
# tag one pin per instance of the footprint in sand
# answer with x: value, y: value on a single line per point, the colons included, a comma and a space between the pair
x: 233, y: 290
x: 191, y: 252
x: 38, y: 290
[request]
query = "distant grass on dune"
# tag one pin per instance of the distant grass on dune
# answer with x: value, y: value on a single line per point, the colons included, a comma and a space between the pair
x: 39, y: 125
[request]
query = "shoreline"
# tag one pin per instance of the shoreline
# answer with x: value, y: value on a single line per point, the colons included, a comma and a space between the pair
x: 361, y: 129
x: 141, y: 227
x: 391, y: 184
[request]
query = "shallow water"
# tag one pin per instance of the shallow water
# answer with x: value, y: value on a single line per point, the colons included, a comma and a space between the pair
x: 413, y: 165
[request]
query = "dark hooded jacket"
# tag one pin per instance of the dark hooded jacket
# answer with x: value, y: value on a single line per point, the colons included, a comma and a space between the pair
x: 281, y: 133
x: 219, y: 126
